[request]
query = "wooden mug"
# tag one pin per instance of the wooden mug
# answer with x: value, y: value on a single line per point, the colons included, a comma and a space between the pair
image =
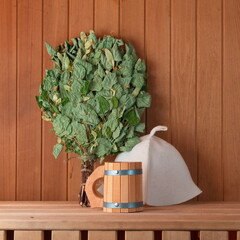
x: 122, y: 187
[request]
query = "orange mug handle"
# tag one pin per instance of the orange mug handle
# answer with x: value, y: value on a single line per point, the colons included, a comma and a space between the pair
x: 95, y: 199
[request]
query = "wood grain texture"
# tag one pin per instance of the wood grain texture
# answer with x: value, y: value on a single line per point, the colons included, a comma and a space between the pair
x: 131, y: 187
x: 29, y: 117
x: 102, y: 235
x: 183, y: 104
x: 8, y: 92
x: 66, y: 235
x: 116, y: 194
x: 210, y: 235
x: 28, y: 235
x: 176, y: 235
x: 124, y: 186
x: 158, y: 64
x: 80, y: 20
x: 68, y: 216
x: 209, y: 99
x: 106, y: 17
x: 231, y: 98
x: 132, y: 24
x: 139, y: 235
x: 54, y: 171
x: 3, y: 235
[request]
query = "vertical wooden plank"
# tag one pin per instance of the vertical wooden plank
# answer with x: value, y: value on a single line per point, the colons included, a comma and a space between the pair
x: 110, y: 187
x: 8, y: 99
x: 80, y: 17
x: 106, y: 17
x: 105, y: 187
x: 29, y: 116
x: 139, y: 235
x: 102, y: 235
x: 231, y: 98
x: 116, y: 197
x: 124, y: 186
x: 176, y: 235
x: 3, y: 235
x: 80, y: 20
x: 132, y: 24
x: 183, y: 85
x: 209, y: 97
x: 238, y: 235
x: 63, y: 235
x: 138, y: 186
x: 158, y: 64
x: 28, y: 235
x: 55, y: 31
x: 131, y: 187
x: 210, y: 235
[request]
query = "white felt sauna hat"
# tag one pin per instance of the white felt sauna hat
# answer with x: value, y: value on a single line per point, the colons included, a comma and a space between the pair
x: 166, y: 178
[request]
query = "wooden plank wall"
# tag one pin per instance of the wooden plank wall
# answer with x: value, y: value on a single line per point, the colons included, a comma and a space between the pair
x: 192, y: 49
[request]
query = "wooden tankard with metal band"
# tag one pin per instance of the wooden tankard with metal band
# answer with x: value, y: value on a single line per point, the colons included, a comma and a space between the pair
x: 122, y: 187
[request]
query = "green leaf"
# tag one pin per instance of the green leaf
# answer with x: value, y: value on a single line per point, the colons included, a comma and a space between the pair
x: 57, y: 149
x: 80, y: 132
x: 104, y: 147
x: 127, y: 100
x: 85, y: 87
x: 114, y: 102
x: 109, y: 57
x: 116, y: 53
x: 117, y: 132
x: 138, y: 80
x: 96, y: 84
x: 125, y: 81
x: 144, y: 100
x: 50, y: 49
x: 140, y: 127
x: 109, y: 80
x: 130, y: 144
x: 85, y: 112
x: 140, y: 66
x: 79, y: 72
x: 132, y: 117
x: 103, y: 105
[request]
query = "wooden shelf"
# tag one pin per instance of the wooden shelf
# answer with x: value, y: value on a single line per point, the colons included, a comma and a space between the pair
x: 70, y: 216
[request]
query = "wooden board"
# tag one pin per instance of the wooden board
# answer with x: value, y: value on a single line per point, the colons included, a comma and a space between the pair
x: 28, y: 235
x: 3, y: 235
x: 69, y: 216
x: 80, y: 20
x: 63, y: 235
x: 124, y: 186
x: 231, y: 98
x: 116, y: 187
x: 209, y: 99
x: 139, y: 235
x: 158, y: 64
x: 183, y: 84
x: 29, y: 115
x: 238, y: 235
x: 102, y: 235
x: 176, y: 235
x: 8, y: 99
x: 106, y: 17
x: 211, y: 235
x: 54, y: 171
